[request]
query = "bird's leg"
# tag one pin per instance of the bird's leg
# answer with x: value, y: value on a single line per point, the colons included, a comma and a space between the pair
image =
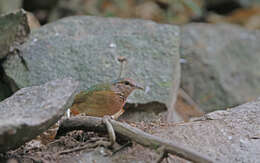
x: 111, y: 132
x: 118, y: 114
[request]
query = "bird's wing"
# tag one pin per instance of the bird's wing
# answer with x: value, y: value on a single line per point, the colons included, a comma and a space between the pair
x: 83, y: 96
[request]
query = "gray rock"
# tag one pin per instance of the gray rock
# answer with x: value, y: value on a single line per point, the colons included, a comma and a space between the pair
x: 87, y: 48
x: 230, y: 136
x: 14, y: 29
x: 9, y: 6
x: 32, y: 110
x: 222, y: 65
x: 226, y: 136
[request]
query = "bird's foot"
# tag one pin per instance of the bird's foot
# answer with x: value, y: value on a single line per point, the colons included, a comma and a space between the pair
x: 111, y: 132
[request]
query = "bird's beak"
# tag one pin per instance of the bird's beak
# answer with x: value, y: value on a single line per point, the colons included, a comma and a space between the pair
x: 139, y: 87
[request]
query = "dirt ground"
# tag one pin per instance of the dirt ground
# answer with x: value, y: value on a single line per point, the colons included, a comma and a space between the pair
x: 45, y: 149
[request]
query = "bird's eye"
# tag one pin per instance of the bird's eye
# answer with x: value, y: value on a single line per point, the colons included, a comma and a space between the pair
x: 127, y: 83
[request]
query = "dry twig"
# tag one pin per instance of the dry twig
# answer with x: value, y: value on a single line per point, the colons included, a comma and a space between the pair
x: 111, y: 132
x: 98, y: 143
x: 135, y: 134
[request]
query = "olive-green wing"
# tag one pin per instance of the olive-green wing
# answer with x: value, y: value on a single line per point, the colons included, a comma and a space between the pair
x: 85, y: 95
x: 98, y: 103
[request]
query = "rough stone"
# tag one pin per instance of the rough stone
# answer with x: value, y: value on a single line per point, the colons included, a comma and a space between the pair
x: 226, y: 136
x: 32, y: 110
x: 222, y: 65
x: 14, y: 29
x: 231, y: 136
x: 86, y: 48
x: 9, y: 6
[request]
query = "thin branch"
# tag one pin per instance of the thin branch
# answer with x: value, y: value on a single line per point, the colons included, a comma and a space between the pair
x: 110, y: 130
x: 99, y: 143
x: 135, y: 134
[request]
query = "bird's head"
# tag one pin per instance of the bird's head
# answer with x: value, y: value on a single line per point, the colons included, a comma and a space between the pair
x: 126, y: 86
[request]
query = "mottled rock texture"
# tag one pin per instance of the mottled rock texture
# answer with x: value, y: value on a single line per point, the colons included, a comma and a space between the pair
x: 86, y: 48
x: 32, y: 110
x: 222, y: 65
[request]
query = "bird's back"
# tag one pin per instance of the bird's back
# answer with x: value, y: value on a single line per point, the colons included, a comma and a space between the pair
x: 98, y: 100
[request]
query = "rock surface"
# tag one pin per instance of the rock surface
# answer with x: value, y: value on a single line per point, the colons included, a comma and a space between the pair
x: 9, y: 6
x: 222, y: 65
x: 225, y: 136
x: 86, y: 48
x: 14, y: 29
x: 32, y: 110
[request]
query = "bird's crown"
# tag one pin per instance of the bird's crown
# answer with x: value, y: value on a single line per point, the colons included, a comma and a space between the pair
x: 127, y: 81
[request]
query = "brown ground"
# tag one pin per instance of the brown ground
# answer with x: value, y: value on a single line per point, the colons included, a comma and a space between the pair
x: 44, y: 150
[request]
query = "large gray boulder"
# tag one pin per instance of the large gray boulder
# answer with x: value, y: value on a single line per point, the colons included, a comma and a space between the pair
x: 86, y: 48
x: 32, y: 110
x: 227, y: 136
x: 230, y: 136
x: 222, y: 64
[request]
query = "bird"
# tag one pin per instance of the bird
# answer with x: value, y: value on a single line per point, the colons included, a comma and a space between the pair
x: 106, y: 99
